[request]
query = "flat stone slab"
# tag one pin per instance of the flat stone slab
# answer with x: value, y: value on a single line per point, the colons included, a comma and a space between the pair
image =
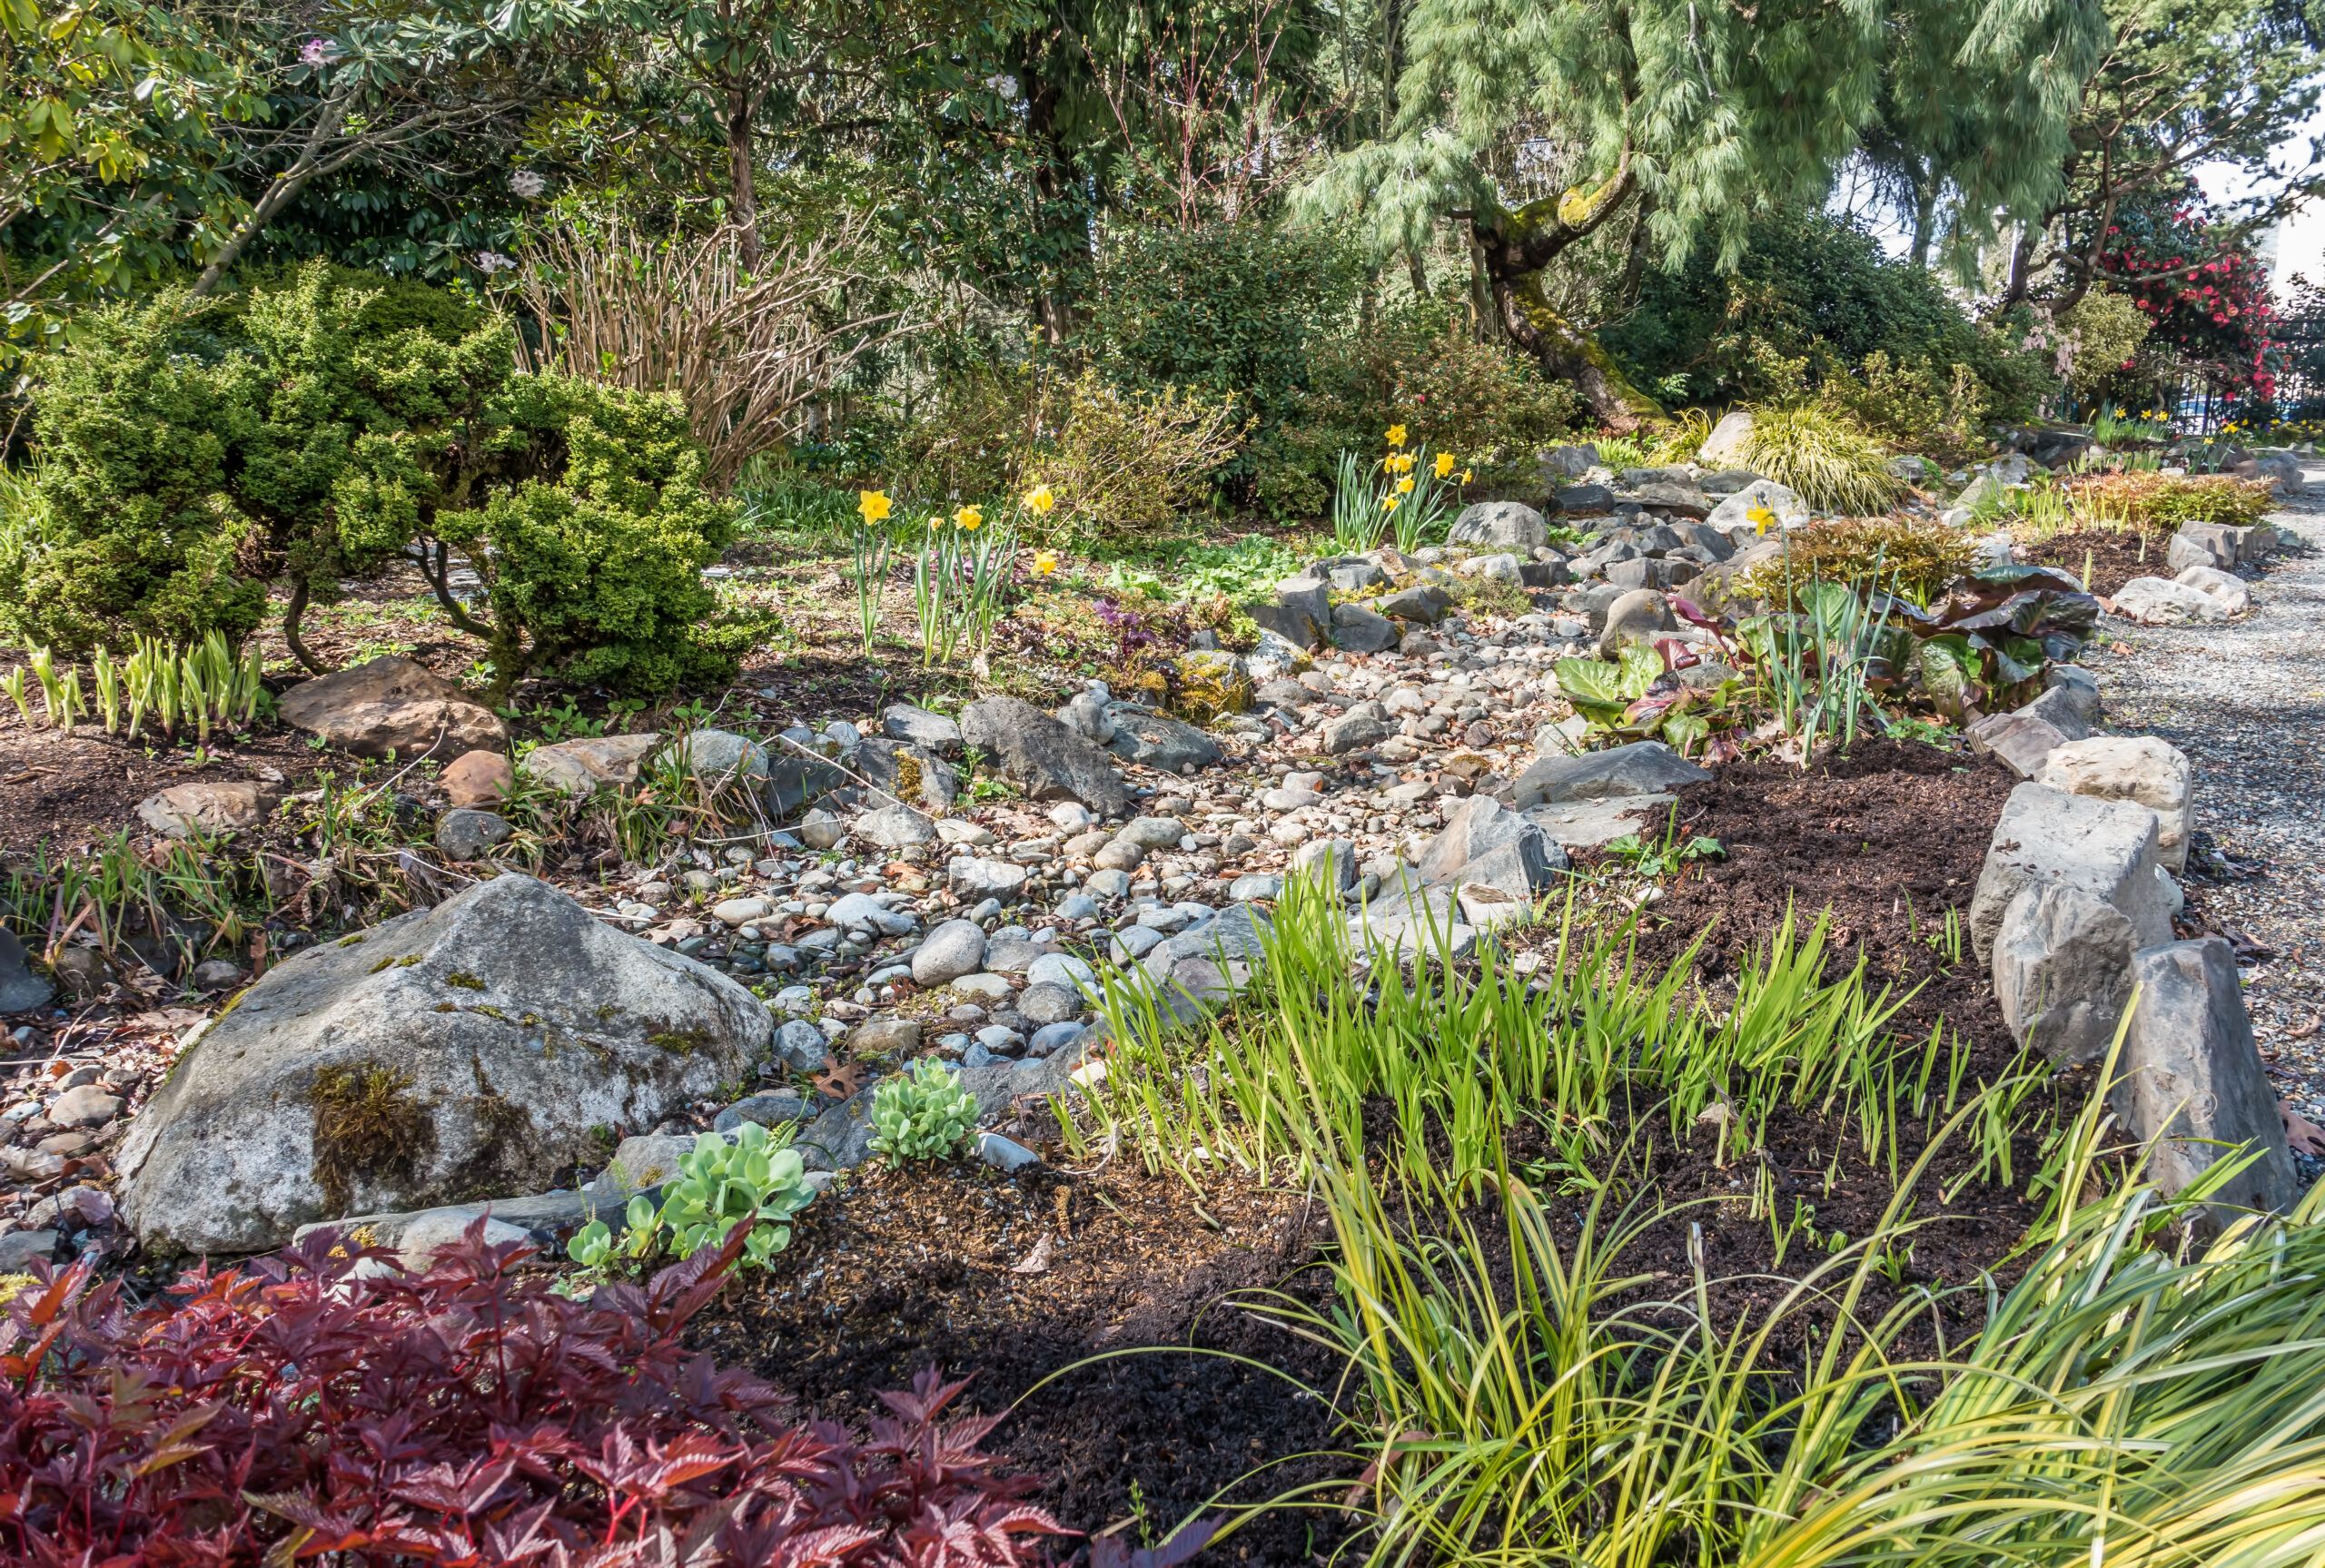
x: 1587, y: 824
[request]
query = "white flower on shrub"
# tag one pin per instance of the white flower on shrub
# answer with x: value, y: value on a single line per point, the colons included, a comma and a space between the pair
x: 527, y: 184
x: 316, y: 52
x: 491, y: 262
x: 1002, y: 84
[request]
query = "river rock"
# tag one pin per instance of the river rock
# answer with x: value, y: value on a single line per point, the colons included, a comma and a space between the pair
x: 902, y: 774
x: 393, y: 706
x: 465, y: 834
x: 471, y: 1048
x: 954, y: 948
x: 477, y: 778
x: 716, y: 756
x: 1159, y: 741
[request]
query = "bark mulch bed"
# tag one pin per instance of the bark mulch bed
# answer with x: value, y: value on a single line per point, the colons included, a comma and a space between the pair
x: 2115, y: 554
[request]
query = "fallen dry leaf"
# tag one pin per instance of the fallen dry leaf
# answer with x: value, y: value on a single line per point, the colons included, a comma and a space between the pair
x: 841, y: 1080
x: 2300, y: 1131
x: 1038, y: 1261
x: 2302, y: 1030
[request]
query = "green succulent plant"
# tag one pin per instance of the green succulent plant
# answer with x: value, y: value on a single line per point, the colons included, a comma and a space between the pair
x: 923, y: 1114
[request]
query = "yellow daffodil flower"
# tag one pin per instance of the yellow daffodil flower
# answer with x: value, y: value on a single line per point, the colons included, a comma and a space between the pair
x: 1044, y: 563
x: 873, y: 504
x: 1039, y: 499
x: 1396, y: 435
x: 1465, y: 476
x: 1761, y: 518
x: 969, y: 517
x: 1444, y: 464
x: 1405, y: 485
x: 1388, y: 503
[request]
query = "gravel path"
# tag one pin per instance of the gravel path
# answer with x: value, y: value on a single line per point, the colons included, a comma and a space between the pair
x: 2246, y: 702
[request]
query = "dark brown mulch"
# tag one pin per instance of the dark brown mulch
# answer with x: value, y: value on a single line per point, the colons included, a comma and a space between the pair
x: 75, y: 790
x: 1889, y: 838
x: 914, y: 1267
x: 2114, y: 556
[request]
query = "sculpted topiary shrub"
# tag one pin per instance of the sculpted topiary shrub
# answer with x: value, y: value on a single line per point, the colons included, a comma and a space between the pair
x: 196, y: 453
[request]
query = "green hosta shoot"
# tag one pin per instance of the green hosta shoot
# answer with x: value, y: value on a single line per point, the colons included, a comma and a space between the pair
x: 925, y: 1114
x: 753, y: 1180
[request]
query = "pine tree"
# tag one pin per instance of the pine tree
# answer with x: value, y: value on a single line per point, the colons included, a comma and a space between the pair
x: 1691, y: 114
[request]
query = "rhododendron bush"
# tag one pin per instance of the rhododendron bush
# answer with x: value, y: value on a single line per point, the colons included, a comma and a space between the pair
x: 295, y: 1409
x: 2207, y: 302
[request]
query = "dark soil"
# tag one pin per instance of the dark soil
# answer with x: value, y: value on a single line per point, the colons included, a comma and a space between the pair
x: 2114, y: 554
x: 1889, y: 838
x: 75, y: 790
x: 912, y: 1267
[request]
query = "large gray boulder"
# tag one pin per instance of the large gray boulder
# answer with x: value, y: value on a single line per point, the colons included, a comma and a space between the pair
x: 2191, y: 1078
x: 1725, y: 446
x: 1045, y: 754
x: 2063, y: 971
x: 1734, y: 515
x: 1642, y: 767
x: 452, y: 1054
x: 918, y: 726
x: 1493, y: 525
x: 1487, y: 844
x: 2106, y: 848
x: 2155, y: 773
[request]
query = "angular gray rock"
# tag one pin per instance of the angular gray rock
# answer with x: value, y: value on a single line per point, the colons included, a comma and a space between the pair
x: 2062, y: 709
x: 918, y: 726
x: 2083, y: 691
x: 1362, y: 725
x: 2213, y: 545
x: 1500, y: 525
x: 1329, y: 861
x: 19, y: 989
x: 1734, y: 515
x: 1642, y: 767
x: 2191, y: 1078
x: 902, y: 774
x: 1486, y: 842
x: 1360, y: 631
x: 2106, y: 848
x: 1159, y: 741
x: 1152, y: 831
x: 1044, y: 754
x: 2063, y: 971
x: 1680, y: 496
x: 2154, y: 773
x: 794, y: 782
x: 471, y: 1048
x: 2020, y: 740
x: 1425, y: 604
x: 463, y: 834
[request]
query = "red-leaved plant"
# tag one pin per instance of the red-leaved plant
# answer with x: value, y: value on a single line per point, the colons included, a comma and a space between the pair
x: 300, y: 1406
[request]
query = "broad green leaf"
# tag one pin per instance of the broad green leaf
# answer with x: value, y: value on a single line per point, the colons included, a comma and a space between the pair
x: 1641, y: 669
x: 1591, y: 680
x: 1949, y: 669
x: 1685, y: 731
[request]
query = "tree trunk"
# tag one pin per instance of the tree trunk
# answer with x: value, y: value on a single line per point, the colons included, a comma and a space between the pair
x: 282, y: 193
x: 1925, y: 214
x: 740, y: 176
x: 1514, y: 247
x: 1052, y: 174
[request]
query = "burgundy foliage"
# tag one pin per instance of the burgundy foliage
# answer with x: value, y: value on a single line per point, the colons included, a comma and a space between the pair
x: 294, y: 1408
